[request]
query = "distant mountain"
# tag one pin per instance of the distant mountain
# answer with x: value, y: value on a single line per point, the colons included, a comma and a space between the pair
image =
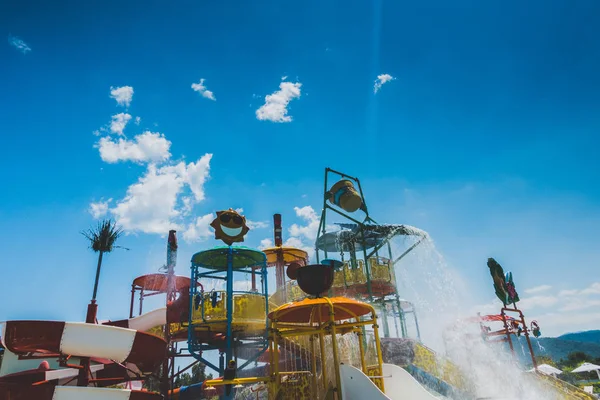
x: 560, y: 347
x: 585, y: 336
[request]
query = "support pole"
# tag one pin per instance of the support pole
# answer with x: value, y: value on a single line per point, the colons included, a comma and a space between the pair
x: 132, y: 300
x: 384, y: 316
x: 417, y: 324
x: 229, y: 302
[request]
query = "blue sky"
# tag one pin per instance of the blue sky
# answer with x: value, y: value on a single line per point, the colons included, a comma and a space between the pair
x: 486, y: 137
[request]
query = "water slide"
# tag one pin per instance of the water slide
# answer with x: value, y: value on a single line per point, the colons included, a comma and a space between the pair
x: 110, y: 346
x: 399, y: 385
x: 143, y: 322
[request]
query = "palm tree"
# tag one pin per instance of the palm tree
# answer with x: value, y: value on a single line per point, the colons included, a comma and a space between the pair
x: 102, y: 240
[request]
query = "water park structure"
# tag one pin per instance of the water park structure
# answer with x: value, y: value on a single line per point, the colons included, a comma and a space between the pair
x: 321, y: 331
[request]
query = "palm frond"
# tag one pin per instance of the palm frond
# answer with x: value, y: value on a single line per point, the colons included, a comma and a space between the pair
x: 103, y: 237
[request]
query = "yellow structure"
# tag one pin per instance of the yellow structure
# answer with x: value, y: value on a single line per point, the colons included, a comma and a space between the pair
x: 312, y: 331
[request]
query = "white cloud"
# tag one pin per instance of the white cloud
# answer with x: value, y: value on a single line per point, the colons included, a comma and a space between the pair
x: 283, y: 78
x: 195, y: 175
x: 593, y: 289
x: 200, y: 88
x: 567, y: 293
x: 275, y: 107
x: 538, y: 289
x: 150, y: 204
x: 301, y: 236
x: 200, y: 229
x: 538, y: 301
x: 154, y: 205
x: 138, y: 120
x: 579, y: 304
x: 119, y: 122
x: 146, y: 147
x: 19, y: 44
x: 257, y: 224
x: 123, y: 95
x: 265, y: 244
x: 99, y: 209
x: 381, y: 80
x: 308, y: 231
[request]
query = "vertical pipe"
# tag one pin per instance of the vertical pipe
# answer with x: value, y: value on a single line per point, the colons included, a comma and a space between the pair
x: 526, y: 331
x: 512, y: 350
x: 384, y: 316
x: 417, y: 324
x: 367, y: 266
x: 378, y: 348
x: 323, y: 359
x: 323, y: 217
x: 132, y: 300
x: 361, y: 347
x: 395, y: 319
x: 275, y: 355
x: 336, y: 359
x: 170, y: 296
x: 229, y: 303
x: 277, y: 234
x: 313, y: 363
x: 141, y: 301
x: 402, y: 318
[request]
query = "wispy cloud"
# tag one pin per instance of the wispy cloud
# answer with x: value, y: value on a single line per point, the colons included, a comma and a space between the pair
x: 538, y: 289
x: 119, y: 122
x: 381, y: 80
x: 275, y: 107
x: 592, y: 289
x: 200, y: 229
x: 201, y: 88
x: 123, y: 95
x: 19, y: 44
x: 99, y: 209
x: 301, y: 235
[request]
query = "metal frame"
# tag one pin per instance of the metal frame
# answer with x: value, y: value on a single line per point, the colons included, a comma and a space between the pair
x: 368, y: 220
x: 196, y: 347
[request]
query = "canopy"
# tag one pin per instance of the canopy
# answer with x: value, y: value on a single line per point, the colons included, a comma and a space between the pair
x: 216, y: 258
x: 317, y: 310
x: 355, y: 238
x: 289, y: 254
x: 587, y: 367
x: 547, y: 369
x: 158, y: 282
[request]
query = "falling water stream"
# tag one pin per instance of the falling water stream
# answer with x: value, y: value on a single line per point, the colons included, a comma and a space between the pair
x: 442, y: 299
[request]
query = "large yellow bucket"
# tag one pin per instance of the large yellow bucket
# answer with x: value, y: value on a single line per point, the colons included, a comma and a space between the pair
x: 344, y: 195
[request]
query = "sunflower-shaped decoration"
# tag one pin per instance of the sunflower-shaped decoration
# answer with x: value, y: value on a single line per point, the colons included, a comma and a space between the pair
x: 230, y: 226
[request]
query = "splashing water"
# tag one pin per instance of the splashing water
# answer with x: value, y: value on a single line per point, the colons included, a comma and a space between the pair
x: 442, y: 300
x: 542, y: 349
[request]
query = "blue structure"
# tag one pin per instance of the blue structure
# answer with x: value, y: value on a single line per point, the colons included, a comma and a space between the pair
x: 241, y: 319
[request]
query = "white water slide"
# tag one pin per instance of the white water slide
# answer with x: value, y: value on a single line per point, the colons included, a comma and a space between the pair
x: 399, y: 385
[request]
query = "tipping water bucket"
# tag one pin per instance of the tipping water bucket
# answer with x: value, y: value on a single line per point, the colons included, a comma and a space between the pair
x: 344, y: 195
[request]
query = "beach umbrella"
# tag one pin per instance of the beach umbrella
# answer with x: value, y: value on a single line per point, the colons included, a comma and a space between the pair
x: 547, y: 369
x: 588, y: 367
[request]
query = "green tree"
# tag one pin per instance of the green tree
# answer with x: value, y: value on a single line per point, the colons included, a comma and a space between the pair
x: 574, y: 360
x: 197, y: 375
